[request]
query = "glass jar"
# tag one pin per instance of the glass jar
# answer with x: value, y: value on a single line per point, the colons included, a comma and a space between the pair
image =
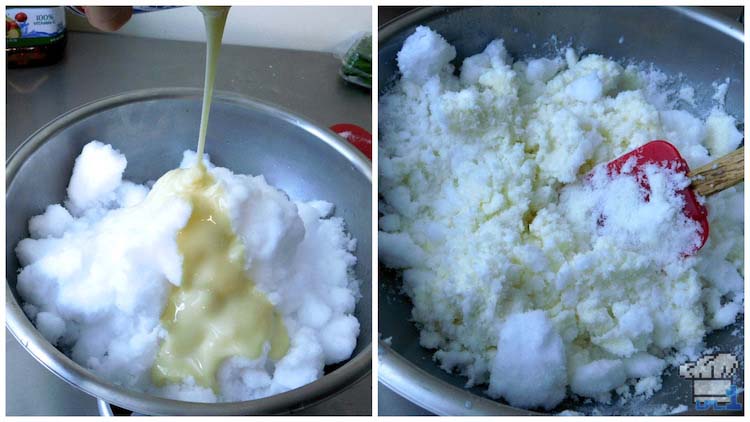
x: 34, y: 35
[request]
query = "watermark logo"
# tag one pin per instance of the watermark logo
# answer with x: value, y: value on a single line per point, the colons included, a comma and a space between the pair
x: 712, y: 381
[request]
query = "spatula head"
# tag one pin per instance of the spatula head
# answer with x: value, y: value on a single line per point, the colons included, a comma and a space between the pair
x: 664, y: 154
x: 357, y: 136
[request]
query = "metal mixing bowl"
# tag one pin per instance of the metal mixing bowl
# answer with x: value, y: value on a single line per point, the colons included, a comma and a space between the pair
x: 152, y: 128
x: 704, y: 47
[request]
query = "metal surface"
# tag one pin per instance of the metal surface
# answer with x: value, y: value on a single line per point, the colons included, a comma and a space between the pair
x: 714, y: 51
x: 99, y: 65
x: 104, y: 408
x: 152, y: 128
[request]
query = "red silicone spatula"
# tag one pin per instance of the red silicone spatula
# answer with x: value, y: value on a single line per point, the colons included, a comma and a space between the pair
x: 711, y: 178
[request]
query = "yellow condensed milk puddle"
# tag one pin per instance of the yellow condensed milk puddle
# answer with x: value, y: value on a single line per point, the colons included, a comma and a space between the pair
x: 216, y: 312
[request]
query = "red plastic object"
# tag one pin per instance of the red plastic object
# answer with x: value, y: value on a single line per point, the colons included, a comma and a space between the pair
x: 360, y: 138
x: 664, y: 154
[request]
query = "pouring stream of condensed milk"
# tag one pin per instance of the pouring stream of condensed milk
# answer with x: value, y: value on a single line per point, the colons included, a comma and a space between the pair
x: 215, y: 17
x: 216, y: 312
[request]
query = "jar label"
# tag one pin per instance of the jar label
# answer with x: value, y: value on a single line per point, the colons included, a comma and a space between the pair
x: 26, y: 27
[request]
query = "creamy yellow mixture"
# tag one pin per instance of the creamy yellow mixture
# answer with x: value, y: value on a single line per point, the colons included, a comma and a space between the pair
x: 216, y: 312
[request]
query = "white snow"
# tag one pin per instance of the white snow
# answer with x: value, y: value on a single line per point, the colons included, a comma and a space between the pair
x: 97, y: 273
x: 495, y: 207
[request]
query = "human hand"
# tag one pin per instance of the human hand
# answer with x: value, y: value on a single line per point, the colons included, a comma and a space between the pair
x: 108, y: 18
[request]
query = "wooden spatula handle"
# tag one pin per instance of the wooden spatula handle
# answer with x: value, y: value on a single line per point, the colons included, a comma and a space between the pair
x: 719, y: 174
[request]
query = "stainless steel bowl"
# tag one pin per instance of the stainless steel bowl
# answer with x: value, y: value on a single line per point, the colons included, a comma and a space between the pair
x: 152, y: 128
x: 699, y: 44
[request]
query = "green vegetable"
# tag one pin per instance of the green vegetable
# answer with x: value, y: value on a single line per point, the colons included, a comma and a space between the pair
x: 356, y: 66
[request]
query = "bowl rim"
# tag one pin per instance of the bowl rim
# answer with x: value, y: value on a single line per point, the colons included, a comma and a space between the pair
x: 708, y: 17
x: 355, y: 369
x: 401, y: 375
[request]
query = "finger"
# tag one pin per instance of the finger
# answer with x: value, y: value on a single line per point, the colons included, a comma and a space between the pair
x: 108, y: 18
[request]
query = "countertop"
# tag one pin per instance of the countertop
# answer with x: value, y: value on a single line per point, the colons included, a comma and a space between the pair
x: 99, y: 65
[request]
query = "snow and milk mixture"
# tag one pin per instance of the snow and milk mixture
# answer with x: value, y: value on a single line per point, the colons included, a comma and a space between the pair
x: 98, y: 271
x: 531, y: 269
